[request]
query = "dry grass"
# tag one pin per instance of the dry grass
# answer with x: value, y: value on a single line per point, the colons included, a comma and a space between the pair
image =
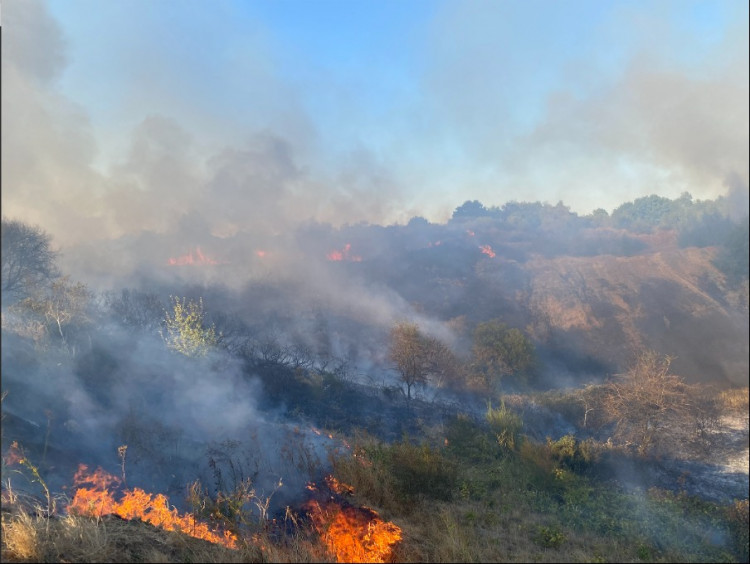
x: 27, y: 536
x: 735, y: 400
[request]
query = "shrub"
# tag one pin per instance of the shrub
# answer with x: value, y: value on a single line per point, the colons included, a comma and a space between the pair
x: 572, y: 454
x: 185, y: 331
x: 739, y: 520
x: 506, y: 425
x: 549, y: 537
x: 467, y: 440
x: 421, y: 470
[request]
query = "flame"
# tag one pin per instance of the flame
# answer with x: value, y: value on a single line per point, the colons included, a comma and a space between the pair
x: 470, y: 233
x: 261, y: 253
x: 339, y: 487
x: 487, y: 250
x: 354, y: 534
x: 190, y: 259
x: 343, y: 254
x: 97, y: 500
x: 14, y: 455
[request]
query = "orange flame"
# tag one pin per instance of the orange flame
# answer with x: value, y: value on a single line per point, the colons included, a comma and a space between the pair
x: 343, y: 254
x: 190, y: 259
x: 261, y: 253
x: 136, y: 503
x: 14, y: 455
x: 339, y: 487
x: 354, y: 534
x: 487, y: 250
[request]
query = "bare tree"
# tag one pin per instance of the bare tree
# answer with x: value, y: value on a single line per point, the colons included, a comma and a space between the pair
x: 134, y: 308
x: 650, y: 406
x: 28, y: 262
x: 63, y: 303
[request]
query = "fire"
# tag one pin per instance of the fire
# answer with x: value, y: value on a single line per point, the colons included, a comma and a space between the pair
x: 470, y: 233
x: 354, y: 534
x: 487, y: 250
x: 339, y: 487
x: 190, y: 259
x: 343, y: 254
x: 97, y: 500
x: 261, y: 253
x: 14, y: 455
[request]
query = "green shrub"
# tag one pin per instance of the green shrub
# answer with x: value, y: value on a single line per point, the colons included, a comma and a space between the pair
x: 739, y: 520
x: 469, y: 441
x: 506, y: 425
x: 572, y: 454
x: 549, y: 537
x: 421, y: 470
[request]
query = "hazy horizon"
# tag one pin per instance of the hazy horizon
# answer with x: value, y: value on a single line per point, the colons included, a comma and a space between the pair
x: 123, y: 118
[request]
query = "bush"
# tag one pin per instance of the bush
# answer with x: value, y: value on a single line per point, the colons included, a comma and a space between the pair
x: 549, y: 537
x: 739, y: 520
x: 467, y: 440
x: 421, y: 470
x: 186, y: 333
x: 572, y: 454
x: 506, y: 425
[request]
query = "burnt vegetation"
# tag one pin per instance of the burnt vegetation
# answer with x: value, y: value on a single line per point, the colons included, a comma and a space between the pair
x: 521, y: 383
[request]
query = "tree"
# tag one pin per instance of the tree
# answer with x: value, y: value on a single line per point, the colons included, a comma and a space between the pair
x: 648, y: 405
x: 133, y: 308
x: 416, y: 356
x: 28, y: 262
x: 501, y: 351
x: 470, y: 209
x: 185, y: 331
x: 62, y: 304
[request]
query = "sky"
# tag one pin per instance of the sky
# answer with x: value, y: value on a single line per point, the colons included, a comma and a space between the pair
x: 126, y: 116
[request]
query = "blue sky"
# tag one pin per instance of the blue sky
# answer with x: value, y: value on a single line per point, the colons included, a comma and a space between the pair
x: 363, y: 110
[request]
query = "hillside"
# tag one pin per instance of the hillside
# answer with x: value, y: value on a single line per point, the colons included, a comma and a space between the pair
x: 557, y: 389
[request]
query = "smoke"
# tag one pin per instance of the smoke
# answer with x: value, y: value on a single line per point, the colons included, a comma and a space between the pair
x: 221, y: 131
x: 631, y: 103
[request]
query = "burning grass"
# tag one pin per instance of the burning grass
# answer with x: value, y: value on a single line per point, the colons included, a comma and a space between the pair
x: 353, y: 534
x: 98, y: 499
x: 350, y: 533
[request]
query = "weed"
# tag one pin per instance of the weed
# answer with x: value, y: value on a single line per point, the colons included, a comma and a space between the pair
x: 549, y: 537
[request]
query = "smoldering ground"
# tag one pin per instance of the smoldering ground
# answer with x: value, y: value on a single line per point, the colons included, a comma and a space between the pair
x: 181, y: 419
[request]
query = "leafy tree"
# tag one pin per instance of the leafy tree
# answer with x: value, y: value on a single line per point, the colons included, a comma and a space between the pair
x: 501, y: 351
x: 643, y: 214
x: 470, y: 209
x: 416, y: 356
x: 186, y: 333
x: 28, y: 262
x: 525, y: 216
x: 733, y: 258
